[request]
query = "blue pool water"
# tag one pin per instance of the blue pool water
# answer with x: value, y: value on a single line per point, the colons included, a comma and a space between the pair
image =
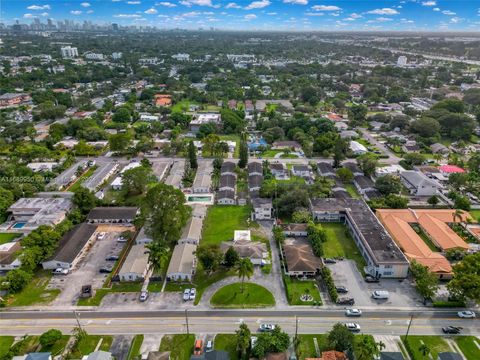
x: 18, y: 225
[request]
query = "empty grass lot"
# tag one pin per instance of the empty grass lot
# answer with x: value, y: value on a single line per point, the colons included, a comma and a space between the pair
x: 228, y: 343
x: 180, y: 346
x: 468, y: 346
x: 35, y: 292
x: 27, y: 345
x: 435, y: 343
x: 221, y: 221
x: 252, y: 296
x: 5, y: 343
x: 306, y: 345
x: 296, y: 288
x: 7, y: 237
x: 338, y: 244
x: 57, y: 347
x: 88, y: 344
x: 134, y: 351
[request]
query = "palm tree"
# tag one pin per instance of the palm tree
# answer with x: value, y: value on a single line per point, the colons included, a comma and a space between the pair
x: 157, y: 252
x: 424, y: 350
x: 244, y: 269
x: 368, y: 349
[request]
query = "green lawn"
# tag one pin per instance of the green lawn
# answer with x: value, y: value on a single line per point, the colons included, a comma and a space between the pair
x: 228, y: 343
x: 339, y: 244
x: 435, y: 343
x: 57, y: 348
x: 116, y: 287
x: 182, y: 106
x: 468, y: 346
x: 134, y: 351
x: 306, y: 345
x: 296, y: 288
x: 252, y: 296
x: 180, y: 346
x: 35, y: 292
x: 202, y: 280
x: 221, y: 221
x: 475, y: 214
x: 5, y: 343
x: 7, y: 237
x: 82, y: 178
x: 88, y: 344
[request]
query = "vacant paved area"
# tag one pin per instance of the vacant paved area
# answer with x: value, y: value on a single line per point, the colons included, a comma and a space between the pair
x: 120, y: 346
x: 402, y: 293
x: 87, y: 271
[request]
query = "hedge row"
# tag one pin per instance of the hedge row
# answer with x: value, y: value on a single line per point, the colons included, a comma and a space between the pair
x: 328, y: 279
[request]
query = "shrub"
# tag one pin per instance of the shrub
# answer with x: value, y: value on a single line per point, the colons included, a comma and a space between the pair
x: 329, y: 283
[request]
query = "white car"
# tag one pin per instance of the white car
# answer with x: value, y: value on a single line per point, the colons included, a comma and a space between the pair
x: 267, y: 327
x: 466, y: 314
x: 143, y: 296
x: 353, y: 312
x: 193, y: 293
x: 101, y: 236
x: 186, y: 294
x: 353, y: 327
x: 60, y: 271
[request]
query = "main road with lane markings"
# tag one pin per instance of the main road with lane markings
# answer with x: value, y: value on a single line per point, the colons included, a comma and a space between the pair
x: 312, y: 321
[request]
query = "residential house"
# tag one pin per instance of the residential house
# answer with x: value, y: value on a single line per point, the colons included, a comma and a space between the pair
x: 136, y: 265
x: 192, y: 232
x: 182, y: 263
x: 205, y: 118
x: 326, y: 169
x: 300, y: 170
x: 294, y: 230
x: 117, y: 183
x: 357, y: 148
x: 330, y: 355
x: 389, y: 170
x: 418, y: 184
x: 112, y: 215
x: 226, y: 197
x: 391, y: 355
x: 14, y: 99
x: 376, y: 125
x: 438, y: 148
x: 363, y: 183
x: 353, y: 167
x: 299, y: 258
x: 449, y: 356
x: 163, y: 100
x: 255, y: 168
x: 9, y: 258
x: 228, y: 168
x: 286, y: 145
x: 411, y: 146
x: 227, y: 182
x: 348, y: 134
x: 255, y: 182
x: 256, y: 251
x: 262, y: 209
x: 143, y: 238
x: 279, y: 170
x: 212, y: 355
x: 71, y: 247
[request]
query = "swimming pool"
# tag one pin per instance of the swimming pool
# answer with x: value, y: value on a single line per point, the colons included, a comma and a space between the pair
x: 199, y: 198
x: 18, y: 225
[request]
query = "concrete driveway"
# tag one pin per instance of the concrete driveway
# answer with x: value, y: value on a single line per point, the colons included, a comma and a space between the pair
x: 121, y: 346
x: 402, y: 293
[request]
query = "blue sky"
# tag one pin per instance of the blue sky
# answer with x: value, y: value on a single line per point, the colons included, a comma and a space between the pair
x: 426, y: 15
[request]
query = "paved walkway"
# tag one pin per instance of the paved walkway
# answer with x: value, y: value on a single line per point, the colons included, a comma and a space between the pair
x: 151, y: 342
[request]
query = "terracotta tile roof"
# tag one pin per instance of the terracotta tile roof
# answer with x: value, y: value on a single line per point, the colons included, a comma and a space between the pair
x: 439, y: 231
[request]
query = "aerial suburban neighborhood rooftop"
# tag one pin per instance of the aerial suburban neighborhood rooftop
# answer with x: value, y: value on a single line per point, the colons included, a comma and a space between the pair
x: 204, y: 179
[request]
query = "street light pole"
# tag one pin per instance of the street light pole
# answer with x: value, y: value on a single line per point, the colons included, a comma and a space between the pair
x: 408, y: 328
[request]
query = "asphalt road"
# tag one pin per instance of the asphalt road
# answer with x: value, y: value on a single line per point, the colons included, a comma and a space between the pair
x: 227, y: 321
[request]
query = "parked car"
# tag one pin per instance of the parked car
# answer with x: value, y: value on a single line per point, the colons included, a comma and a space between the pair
x: 106, y: 269
x: 466, y: 314
x: 380, y: 294
x: 342, y: 289
x: 143, y: 296
x: 101, y: 236
x: 371, y: 279
x: 198, y: 347
x: 122, y: 239
x: 346, y: 301
x: 353, y: 327
x: 86, y: 291
x: 60, y: 271
x: 329, y: 261
x: 209, y: 346
x: 451, y: 329
x: 266, y: 327
x: 112, y: 258
x: 186, y: 294
x: 192, y: 294
x: 353, y: 312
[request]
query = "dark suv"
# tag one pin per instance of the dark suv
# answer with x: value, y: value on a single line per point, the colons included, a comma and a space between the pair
x: 346, y: 301
x: 451, y: 330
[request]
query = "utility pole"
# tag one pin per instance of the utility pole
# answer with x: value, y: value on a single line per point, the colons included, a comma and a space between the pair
x: 296, y: 328
x: 408, y: 328
x: 78, y: 320
x: 186, y: 320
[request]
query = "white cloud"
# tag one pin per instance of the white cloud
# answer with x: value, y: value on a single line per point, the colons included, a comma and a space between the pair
x: 298, y: 2
x: 314, y: 14
x: 272, y: 13
x: 456, y: 20
x: 355, y: 16
x: 326, y: 8
x: 250, y: 16
x: 29, y: 16
x: 429, y: 3
x: 151, y: 11
x: 166, y: 4
x: 85, y: 4
x: 38, y: 7
x: 133, y: 2
x: 383, y: 19
x: 127, y: 16
x: 89, y: 11
x: 448, y: 12
x: 232, y: 5
x: 75, y: 12
x: 384, y: 11
x: 196, y: 2
x: 258, y: 4
x: 436, y: 9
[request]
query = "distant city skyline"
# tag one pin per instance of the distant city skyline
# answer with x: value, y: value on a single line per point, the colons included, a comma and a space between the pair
x: 299, y: 15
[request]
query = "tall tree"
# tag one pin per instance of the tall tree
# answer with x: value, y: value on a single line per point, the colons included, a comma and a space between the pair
x: 368, y: 163
x: 243, y: 339
x: 157, y: 252
x: 165, y: 211
x: 243, y: 152
x: 244, y: 270
x: 340, y: 338
x: 192, y: 155
x: 426, y: 282
x: 466, y: 278
x: 135, y: 181
x: 367, y: 348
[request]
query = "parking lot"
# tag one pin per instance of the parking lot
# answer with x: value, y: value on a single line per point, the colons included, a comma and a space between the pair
x: 402, y: 293
x: 87, y: 271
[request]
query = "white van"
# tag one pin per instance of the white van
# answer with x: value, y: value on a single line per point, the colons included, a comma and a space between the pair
x: 380, y: 294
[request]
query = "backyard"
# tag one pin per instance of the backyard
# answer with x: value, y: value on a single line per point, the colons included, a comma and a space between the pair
x: 221, y: 221
x: 435, y: 343
x: 35, y: 292
x: 296, y: 288
x: 7, y: 237
x: 228, y: 343
x: 180, y: 346
x: 340, y: 244
x: 306, y: 345
x: 251, y: 296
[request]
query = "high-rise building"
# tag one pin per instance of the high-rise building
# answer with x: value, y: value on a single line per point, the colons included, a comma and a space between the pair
x: 69, y: 52
x: 402, y: 60
x: 115, y: 27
